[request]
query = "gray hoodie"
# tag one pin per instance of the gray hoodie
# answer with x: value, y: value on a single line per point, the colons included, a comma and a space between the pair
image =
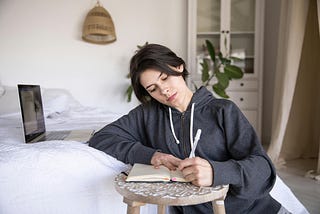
x: 228, y: 142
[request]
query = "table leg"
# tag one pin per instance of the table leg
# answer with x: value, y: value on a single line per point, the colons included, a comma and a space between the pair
x: 318, y: 167
x: 161, y: 209
x: 218, y: 207
x: 133, y: 207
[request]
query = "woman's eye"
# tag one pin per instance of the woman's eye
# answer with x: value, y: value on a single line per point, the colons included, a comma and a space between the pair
x: 152, y: 90
x: 164, y: 77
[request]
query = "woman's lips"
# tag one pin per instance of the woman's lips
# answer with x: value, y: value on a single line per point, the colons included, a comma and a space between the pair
x: 172, y: 97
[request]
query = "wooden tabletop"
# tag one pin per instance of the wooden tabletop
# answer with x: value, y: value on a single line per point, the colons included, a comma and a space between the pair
x: 173, y: 193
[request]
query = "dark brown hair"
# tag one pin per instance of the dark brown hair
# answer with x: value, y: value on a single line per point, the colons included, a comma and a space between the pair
x: 153, y: 56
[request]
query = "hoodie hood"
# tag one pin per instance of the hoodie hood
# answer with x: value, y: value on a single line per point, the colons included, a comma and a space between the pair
x: 201, y: 97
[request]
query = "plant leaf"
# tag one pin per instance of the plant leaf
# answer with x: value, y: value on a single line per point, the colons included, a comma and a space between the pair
x: 223, y: 80
x: 141, y: 46
x: 235, y: 58
x: 233, y: 72
x: 227, y: 61
x: 205, y: 71
x: 221, y: 58
x: 219, y: 90
x: 211, y: 50
x: 129, y: 93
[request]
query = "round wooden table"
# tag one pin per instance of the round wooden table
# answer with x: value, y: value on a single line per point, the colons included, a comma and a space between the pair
x: 173, y: 194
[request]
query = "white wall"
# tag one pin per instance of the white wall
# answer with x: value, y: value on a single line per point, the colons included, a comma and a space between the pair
x: 40, y: 43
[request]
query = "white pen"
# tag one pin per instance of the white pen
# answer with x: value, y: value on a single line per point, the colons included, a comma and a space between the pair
x: 196, y: 140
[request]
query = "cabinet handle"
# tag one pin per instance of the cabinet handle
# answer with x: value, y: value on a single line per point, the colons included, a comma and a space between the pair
x: 242, y: 84
x: 241, y: 99
x: 222, y: 31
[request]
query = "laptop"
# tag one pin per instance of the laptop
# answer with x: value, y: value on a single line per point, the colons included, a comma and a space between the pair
x: 34, y: 121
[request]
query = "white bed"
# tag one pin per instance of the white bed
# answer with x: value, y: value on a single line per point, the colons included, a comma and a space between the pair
x: 65, y: 176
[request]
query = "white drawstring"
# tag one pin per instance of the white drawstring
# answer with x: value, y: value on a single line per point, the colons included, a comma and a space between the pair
x: 172, y: 128
x: 191, y: 127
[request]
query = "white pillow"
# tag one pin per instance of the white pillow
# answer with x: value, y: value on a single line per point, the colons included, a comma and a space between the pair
x: 9, y: 101
x: 56, y: 101
x: 2, y: 90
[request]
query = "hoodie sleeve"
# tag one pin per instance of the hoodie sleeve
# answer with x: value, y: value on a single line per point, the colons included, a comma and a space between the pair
x: 249, y: 171
x: 123, y: 139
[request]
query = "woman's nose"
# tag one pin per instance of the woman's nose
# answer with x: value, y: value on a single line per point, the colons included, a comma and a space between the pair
x: 164, y: 90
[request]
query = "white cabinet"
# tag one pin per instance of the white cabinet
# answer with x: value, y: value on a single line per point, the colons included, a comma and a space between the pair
x: 235, y: 27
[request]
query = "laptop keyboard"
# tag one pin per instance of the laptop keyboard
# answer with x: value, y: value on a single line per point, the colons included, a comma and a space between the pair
x: 56, y: 135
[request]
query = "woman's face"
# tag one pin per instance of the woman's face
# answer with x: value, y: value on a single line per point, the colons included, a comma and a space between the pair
x: 167, y: 89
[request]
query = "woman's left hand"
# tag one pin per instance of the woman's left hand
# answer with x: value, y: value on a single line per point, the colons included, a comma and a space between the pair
x: 167, y: 160
x: 197, y: 170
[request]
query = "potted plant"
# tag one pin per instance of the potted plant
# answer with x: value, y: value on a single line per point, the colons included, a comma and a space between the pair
x: 129, y: 90
x: 216, y: 71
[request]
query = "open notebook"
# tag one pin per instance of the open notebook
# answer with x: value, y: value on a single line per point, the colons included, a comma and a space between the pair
x: 148, y: 173
x: 34, y: 121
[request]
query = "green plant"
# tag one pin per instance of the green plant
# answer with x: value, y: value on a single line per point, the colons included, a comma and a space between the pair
x: 218, y: 67
x: 129, y: 90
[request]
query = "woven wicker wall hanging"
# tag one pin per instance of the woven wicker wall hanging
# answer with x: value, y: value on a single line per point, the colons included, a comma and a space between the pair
x: 98, y: 26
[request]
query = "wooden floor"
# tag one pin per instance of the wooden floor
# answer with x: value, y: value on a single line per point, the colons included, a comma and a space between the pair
x: 307, y: 190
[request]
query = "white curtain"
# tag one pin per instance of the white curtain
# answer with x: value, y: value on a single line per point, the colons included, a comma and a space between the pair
x: 296, y: 106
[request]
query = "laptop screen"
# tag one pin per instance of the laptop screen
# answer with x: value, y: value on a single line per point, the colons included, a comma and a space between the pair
x: 32, y: 111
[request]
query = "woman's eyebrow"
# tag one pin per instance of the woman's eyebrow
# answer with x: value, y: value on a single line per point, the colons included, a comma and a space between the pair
x: 153, y: 83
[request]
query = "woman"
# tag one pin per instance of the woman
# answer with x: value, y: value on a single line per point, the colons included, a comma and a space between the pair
x: 162, y: 129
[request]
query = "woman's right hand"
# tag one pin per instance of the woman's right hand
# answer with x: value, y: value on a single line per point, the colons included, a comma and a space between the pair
x: 167, y: 160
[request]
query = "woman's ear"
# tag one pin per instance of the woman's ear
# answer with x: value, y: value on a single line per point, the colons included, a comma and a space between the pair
x: 180, y: 68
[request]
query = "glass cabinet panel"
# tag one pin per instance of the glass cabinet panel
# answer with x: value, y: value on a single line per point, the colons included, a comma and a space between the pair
x: 242, y: 15
x: 242, y: 30
x: 208, y: 12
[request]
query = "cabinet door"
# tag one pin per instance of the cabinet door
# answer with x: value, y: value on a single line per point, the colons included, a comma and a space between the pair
x: 230, y: 26
x: 242, y: 32
x: 234, y: 27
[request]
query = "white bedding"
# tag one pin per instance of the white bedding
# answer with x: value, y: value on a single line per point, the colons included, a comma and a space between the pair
x: 58, y: 176
x: 70, y: 177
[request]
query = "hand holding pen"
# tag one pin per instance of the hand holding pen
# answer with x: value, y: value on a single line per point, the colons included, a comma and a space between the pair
x: 195, y: 169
